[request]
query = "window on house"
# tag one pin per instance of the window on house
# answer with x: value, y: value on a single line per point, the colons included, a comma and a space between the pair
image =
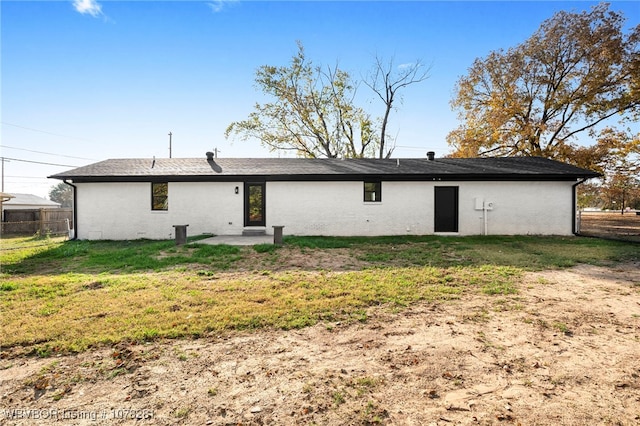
x: 159, y: 196
x: 373, y: 191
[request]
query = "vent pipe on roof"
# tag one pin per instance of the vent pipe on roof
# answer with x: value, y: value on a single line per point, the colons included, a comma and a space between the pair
x: 431, y: 155
x: 209, y: 156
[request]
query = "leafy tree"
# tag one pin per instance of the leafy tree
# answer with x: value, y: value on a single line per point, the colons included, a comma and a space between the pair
x: 313, y: 113
x: 386, y: 81
x: 62, y: 193
x: 621, y: 164
x: 590, y: 195
x: 620, y: 186
x: 573, y: 75
x: 621, y: 190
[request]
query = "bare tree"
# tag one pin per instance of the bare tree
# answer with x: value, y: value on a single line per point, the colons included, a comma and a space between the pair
x: 386, y: 80
x: 312, y: 112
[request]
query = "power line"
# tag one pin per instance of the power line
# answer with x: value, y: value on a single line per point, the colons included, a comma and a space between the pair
x: 43, y: 131
x: 48, y: 153
x: 416, y: 148
x: 35, y: 162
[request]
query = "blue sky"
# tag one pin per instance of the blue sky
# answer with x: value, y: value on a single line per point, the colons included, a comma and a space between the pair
x: 87, y: 80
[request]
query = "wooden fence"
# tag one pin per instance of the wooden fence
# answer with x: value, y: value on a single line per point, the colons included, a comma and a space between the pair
x: 36, y: 221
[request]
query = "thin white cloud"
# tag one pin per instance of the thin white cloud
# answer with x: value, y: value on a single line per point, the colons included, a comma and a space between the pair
x: 88, y: 7
x: 217, y: 5
x: 405, y: 66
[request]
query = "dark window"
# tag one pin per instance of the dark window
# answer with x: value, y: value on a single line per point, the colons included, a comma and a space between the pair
x: 373, y: 191
x: 159, y: 196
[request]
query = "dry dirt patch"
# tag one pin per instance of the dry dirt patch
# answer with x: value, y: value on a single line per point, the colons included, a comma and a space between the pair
x: 562, y: 351
x: 611, y: 225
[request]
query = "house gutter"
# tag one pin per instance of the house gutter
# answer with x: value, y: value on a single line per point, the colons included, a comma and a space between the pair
x: 75, y: 210
x: 574, y: 203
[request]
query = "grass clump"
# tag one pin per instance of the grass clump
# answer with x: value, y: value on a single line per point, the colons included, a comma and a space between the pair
x: 266, y: 248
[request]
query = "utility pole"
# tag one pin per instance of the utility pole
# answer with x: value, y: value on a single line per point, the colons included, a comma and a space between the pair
x: 2, y: 190
x: 170, y: 134
x: 2, y: 159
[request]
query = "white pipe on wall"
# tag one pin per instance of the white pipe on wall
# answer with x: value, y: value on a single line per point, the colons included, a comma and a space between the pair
x: 484, y: 216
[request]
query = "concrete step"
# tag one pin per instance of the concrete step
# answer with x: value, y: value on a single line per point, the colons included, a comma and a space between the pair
x: 254, y: 232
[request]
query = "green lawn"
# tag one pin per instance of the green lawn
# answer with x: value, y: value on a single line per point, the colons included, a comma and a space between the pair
x: 59, y: 296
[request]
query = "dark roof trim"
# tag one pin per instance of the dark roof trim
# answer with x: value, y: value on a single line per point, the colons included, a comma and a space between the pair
x: 327, y: 178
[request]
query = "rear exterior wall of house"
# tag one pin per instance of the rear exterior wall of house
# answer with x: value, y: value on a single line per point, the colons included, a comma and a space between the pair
x: 120, y: 211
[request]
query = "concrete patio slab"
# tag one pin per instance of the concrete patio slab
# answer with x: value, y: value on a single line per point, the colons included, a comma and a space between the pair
x: 238, y: 240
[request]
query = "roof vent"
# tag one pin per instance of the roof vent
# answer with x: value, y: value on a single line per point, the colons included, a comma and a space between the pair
x: 209, y: 156
x: 431, y: 155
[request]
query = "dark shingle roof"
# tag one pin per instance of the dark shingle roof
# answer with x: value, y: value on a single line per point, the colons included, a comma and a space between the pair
x: 227, y: 169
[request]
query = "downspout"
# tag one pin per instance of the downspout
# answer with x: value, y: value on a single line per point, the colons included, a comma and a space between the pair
x: 484, y: 216
x: 75, y: 210
x: 574, y: 205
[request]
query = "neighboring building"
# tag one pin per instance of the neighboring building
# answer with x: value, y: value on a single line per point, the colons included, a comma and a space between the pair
x: 143, y: 198
x: 28, y: 202
x: 26, y: 214
x: 4, y: 197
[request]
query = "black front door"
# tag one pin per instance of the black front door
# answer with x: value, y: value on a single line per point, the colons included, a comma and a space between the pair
x: 254, y: 202
x: 446, y: 209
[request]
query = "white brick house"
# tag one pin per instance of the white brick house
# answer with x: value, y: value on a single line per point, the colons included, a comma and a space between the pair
x: 143, y: 198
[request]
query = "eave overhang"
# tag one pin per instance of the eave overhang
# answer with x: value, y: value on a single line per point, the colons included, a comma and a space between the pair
x: 331, y: 178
